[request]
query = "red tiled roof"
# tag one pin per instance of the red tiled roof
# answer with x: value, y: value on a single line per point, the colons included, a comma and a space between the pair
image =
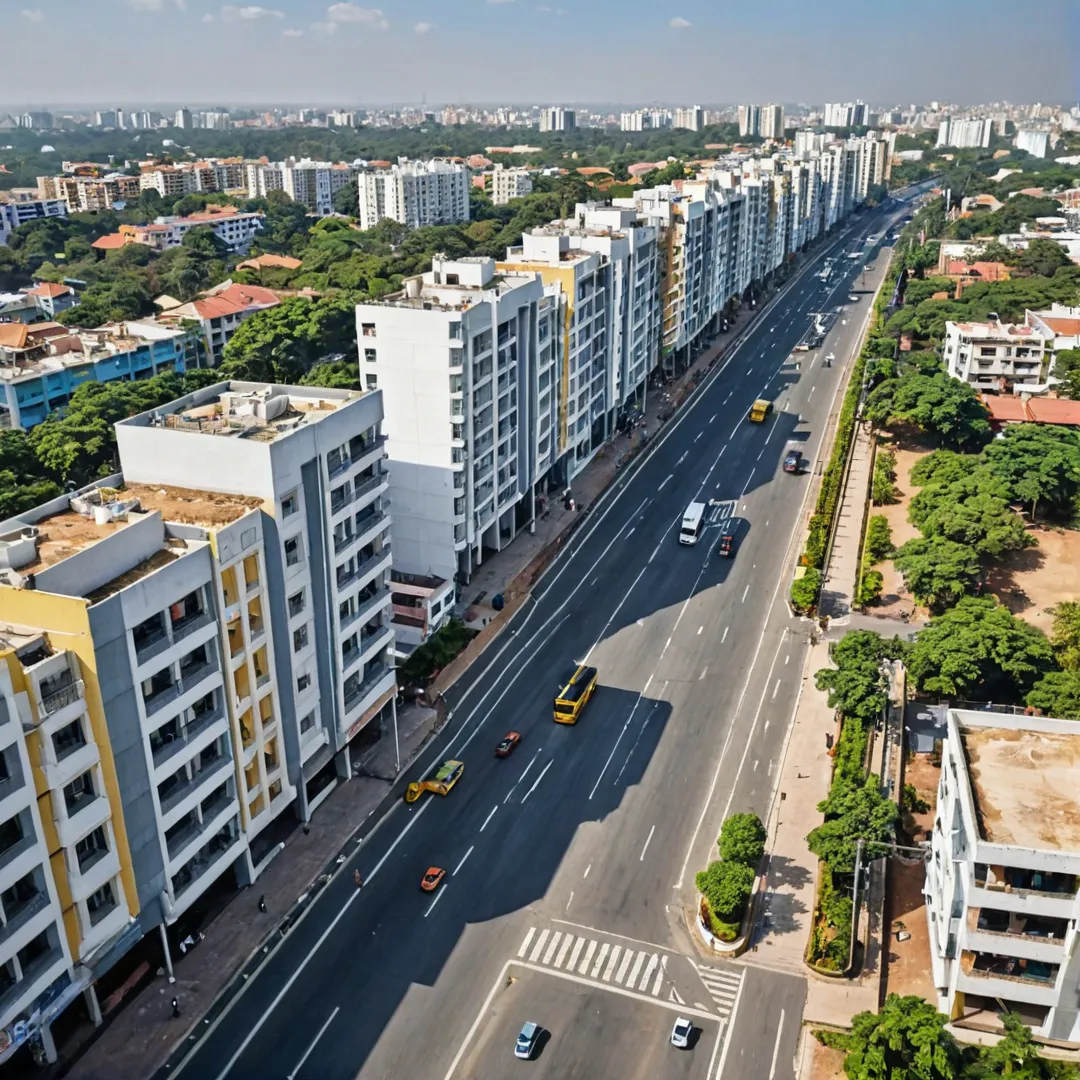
x: 233, y: 300
x: 111, y: 242
x: 1063, y: 324
x: 261, y: 262
x: 1037, y: 410
x: 13, y: 335
x: 50, y: 288
x: 987, y: 271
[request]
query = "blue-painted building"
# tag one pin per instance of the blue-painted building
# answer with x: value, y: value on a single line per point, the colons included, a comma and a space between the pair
x: 42, y: 365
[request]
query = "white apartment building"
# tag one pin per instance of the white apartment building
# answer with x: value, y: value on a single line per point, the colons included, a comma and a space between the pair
x: 847, y: 114
x: 89, y: 194
x: 507, y: 184
x: 312, y: 459
x: 691, y: 118
x: 16, y: 212
x: 749, y: 120
x: 998, y: 357
x: 415, y: 193
x: 556, y: 118
x: 965, y: 134
x: 1002, y: 901
x: 313, y: 183
x: 1036, y: 143
x: 466, y: 361
x: 808, y: 142
x: 635, y: 313
x: 422, y: 605
x: 772, y: 122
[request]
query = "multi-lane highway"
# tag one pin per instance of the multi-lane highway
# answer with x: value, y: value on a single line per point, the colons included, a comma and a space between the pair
x: 571, y: 863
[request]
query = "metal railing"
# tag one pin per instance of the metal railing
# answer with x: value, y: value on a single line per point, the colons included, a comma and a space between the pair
x: 56, y: 700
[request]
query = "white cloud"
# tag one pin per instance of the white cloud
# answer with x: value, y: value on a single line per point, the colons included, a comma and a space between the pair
x: 291, y: 32
x: 545, y: 10
x: 679, y: 23
x: 500, y: 1
x: 208, y: 17
x: 353, y: 13
x: 248, y: 13
x: 33, y: 15
x: 146, y: 5
x: 422, y: 28
x: 324, y: 27
x: 181, y: 4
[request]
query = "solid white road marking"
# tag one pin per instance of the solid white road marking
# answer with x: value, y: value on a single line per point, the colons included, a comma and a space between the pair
x: 584, y: 965
x: 664, y: 481
x: 636, y: 970
x: 564, y: 948
x: 703, y: 671
x: 438, y: 897
x: 647, y: 974
x: 627, y: 957
x: 745, y: 591
x: 569, y: 902
x: 523, y: 775
x: 683, y: 457
x: 658, y: 982
x: 538, y: 948
x: 538, y: 779
x: 647, y: 841
x: 700, y: 628
x: 698, y: 435
x: 747, y: 484
x: 776, y: 1048
x: 489, y: 817
x: 462, y: 863
x: 578, y: 946
x: 257, y: 1026
x: 712, y: 418
x: 612, y: 962
x: 601, y: 956
x: 586, y: 874
x: 724, y: 638
x: 553, y: 944
x: 775, y: 690
x: 525, y: 943
x: 307, y: 1052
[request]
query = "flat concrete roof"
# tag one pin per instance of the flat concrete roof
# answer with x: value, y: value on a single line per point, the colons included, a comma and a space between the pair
x: 68, y: 532
x: 1025, y: 788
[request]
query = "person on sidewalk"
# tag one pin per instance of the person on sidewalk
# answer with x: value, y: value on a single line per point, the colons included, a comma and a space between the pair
x: 358, y: 879
x: 176, y: 1008
x: 262, y: 904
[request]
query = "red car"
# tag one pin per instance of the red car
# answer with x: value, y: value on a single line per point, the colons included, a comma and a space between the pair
x: 506, y: 747
x: 432, y: 879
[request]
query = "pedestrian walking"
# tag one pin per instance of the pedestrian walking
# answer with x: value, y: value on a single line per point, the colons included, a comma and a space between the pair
x: 176, y: 1008
x: 262, y: 904
x: 358, y: 879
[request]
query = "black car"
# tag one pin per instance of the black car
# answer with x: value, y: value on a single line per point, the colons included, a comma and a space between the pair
x: 792, y: 461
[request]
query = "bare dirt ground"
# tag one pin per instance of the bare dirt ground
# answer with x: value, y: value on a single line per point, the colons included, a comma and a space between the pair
x: 825, y: 1064
x: 908, y: 967
x: 894, y: 597
x: 1028, y: 582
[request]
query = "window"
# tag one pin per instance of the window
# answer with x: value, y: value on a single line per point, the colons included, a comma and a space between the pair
x: 308, y: 723
x: 91, y: 848
x: 296, y: 603
x: 68, y: 739
x: 294, y: 553
x: 367, y: 329
x: 300, y: 638
x: 303, y: 682
x: 290, y: 504
x: 79, y: 792
x: 99, y: 904
x: 370, y: 382
x: 369, y: 356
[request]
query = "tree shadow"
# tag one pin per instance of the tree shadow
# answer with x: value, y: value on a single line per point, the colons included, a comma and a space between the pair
x: 1003, y: 580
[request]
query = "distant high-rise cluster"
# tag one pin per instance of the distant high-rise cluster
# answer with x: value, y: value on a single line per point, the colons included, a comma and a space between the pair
x: 415, y: 193
x: 846, y: 115
x: 965, y: 133
x: 766, y: 121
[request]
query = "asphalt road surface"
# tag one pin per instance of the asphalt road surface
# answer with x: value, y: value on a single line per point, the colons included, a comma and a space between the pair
x: 571, y: 863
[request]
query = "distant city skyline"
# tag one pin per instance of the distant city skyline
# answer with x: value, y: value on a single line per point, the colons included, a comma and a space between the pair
x: 517, y: 51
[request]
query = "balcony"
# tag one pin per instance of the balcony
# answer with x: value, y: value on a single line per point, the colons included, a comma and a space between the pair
x: 365, y: 487
x: 211, y: 811
x: 356, y: 694
x: 343, y: 541
x: 149, y: 645
x: 57, y: 695
x: 1035, y: 975
x: 181, y: 789
x: 171, y: 745
x: 21, y: 915
x: 187, y: 626
x: 366, y: 607
x: 370, y: 637
x: 199, y: 867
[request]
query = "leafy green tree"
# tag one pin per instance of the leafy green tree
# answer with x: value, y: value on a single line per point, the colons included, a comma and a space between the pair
x: 1040, y: 464
x: 202, y: 240
x: 742, y: 839
x: 1015, y: 1055
x: 878, y: 546
x: 853, y: 812
x: 979, y: 650
x: 935, y: 403
x: 347, y: 199
x: 804, y: 591
x: 336, y: 375
x: 856, y: 685
x: 940, y: 467
x: 906, y: 1040
x: 22, y: 483
x: 1042, y: 257
x: 1065, y: 634
x: 1057, y: 694
x: 937, y: 571
x: 727, y: 887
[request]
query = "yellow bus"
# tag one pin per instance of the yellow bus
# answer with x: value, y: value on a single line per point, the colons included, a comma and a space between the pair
x: 573, y: 697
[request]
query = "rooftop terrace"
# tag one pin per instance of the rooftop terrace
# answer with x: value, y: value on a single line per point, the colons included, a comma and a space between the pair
x: 1024, y: 783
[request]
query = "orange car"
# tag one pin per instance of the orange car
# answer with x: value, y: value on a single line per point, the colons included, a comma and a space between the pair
x: 432, y: 879
x: 506, y: 747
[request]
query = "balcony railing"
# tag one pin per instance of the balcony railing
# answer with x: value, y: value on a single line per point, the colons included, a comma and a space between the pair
x: 23, y: 914
x: 189, y: 624
x: 55, y: 700
x: 357, y: 693
x: 195, y: 728
x: 186, y: 786
x: 365, y: 607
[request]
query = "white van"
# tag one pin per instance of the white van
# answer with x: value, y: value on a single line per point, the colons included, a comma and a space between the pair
x: 690, y: 533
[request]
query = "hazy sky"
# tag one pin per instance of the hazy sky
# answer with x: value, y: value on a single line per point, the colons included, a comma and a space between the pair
x: 707, y: 51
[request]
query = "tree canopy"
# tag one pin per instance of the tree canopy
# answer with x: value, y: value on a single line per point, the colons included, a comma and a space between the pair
x: 1039, y: 464
x: 936, y: 404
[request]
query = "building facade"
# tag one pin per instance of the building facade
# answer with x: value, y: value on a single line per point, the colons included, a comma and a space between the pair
x: 16, y: 212
x: 415, y: 193
x: 507, y: 184
x: 1002, y: 901
x: 998, y: 357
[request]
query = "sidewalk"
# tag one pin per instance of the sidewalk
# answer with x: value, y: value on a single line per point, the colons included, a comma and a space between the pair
x: 141, y: 1034
x: 842, y: 573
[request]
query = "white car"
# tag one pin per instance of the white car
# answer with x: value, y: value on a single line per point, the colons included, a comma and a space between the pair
x: 680, y: 1033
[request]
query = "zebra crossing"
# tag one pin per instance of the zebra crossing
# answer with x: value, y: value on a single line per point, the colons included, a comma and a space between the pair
x: 723, y: 985
x: 618, y: 965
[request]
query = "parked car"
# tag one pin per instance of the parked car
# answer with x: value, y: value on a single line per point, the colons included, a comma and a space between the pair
x: 526, y: 1040
x: 792, y: 461
x: 681, y: 1032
